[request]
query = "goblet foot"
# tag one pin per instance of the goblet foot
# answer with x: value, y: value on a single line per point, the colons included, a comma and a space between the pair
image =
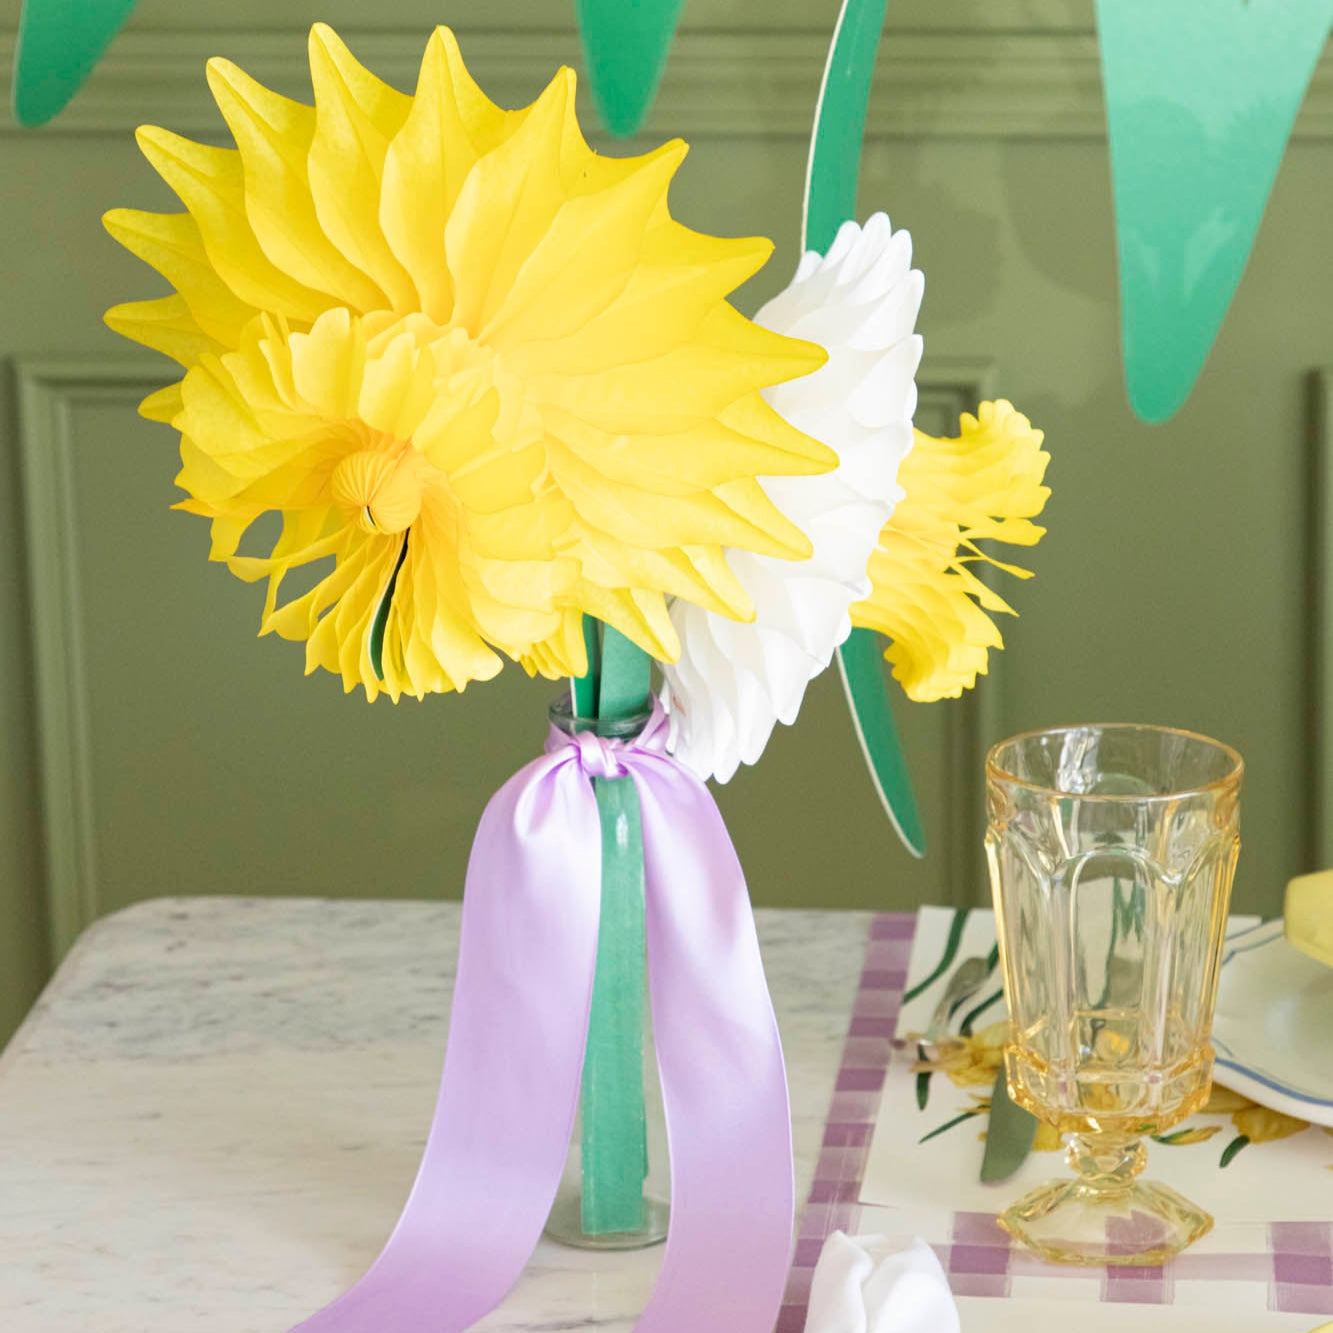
x: 1104, y: 1215
x: 565, y: 1225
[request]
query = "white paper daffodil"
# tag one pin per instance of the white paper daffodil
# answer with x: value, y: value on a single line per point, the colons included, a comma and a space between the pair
x: 733, y: 681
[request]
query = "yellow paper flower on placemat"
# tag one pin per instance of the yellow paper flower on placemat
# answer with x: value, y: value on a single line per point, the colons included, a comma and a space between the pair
x: 983, y: 484
x: 970, y: 1061
x: 475, y: 364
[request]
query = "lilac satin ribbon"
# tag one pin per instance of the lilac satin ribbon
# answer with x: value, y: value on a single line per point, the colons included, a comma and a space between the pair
x: 517, y: 1031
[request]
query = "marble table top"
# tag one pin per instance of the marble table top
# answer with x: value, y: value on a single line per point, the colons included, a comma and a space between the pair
x: 210, y: 1120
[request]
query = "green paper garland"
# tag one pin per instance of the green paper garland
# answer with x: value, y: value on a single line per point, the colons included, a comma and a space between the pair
x: 59, y: 42
x: 625, y: 44
x: 1200, y: 100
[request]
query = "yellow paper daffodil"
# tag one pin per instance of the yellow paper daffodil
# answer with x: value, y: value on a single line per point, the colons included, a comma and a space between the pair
x: 970, y: 1061
x: 983, y: 484
x: 475, y: 364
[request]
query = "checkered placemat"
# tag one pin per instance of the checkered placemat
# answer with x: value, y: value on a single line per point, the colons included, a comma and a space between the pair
x: 1285, y: 1266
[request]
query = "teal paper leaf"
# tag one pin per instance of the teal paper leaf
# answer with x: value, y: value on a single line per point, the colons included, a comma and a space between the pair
x: 59, y: 42
x: 625, y: 43
x: 832, y: 173
x: 1200, y: 100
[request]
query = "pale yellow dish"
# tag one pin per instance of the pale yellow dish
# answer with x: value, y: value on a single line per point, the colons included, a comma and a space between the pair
x: 1308, y: 915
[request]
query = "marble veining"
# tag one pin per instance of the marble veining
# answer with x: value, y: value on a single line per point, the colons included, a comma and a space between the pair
x: 211, y: 1118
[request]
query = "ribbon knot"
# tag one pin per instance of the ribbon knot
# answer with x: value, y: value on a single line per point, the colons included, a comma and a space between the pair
x: 599, y: 756
x: 608, y: 756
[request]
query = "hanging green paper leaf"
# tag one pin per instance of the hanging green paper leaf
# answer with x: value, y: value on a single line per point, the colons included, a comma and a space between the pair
x: 59, y: 42
x: 625, y: 43
x: 1200, y: 100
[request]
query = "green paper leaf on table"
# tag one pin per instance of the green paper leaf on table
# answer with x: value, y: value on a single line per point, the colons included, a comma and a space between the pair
x: 1009, y: 1136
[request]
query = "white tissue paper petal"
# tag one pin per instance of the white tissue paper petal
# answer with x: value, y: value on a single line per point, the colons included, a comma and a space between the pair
x: 734, y: 682
x: 878, y: 1284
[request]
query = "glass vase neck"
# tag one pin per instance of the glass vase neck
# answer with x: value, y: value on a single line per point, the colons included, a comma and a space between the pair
x: 624, y: 728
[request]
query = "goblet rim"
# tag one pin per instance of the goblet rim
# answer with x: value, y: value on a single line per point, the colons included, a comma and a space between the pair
x: 1230, y: 780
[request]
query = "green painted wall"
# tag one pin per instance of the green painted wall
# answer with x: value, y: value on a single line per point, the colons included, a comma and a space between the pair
x: 185, y: 756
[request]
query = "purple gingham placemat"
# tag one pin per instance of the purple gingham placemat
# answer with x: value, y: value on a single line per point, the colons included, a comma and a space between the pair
x: 1295, y: 1264
x: 832, y: 1205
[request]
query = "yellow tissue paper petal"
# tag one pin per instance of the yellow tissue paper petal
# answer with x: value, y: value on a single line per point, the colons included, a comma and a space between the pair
x: 171, y: 243
x: 1308, y: 915
x: 681, y: 277
x: 166, y: 325
x: 488, y: 382
x: 451, y: 122
x: 585, y: 259
x: 985, y: 483
x: 397, y: 388
x: 509, y: 199
x: 162, y: 404
x: 273, y: 135
x: 356, y: 115
x: 641, y: 619
x: 210, y: 183
x: 698, y: 379
x: 328, y: 363
x: 1260, y: 1125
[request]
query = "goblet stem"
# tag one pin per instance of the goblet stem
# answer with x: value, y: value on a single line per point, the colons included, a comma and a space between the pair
x: 1106, y: 1164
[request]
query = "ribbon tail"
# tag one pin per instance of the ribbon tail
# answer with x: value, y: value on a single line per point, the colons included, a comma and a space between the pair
x: 512, y: 1067
x: 724, y: 1086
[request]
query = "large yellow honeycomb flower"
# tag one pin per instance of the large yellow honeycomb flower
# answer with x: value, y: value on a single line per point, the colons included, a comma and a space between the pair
x: 473, y: 362
x: 985, y: 483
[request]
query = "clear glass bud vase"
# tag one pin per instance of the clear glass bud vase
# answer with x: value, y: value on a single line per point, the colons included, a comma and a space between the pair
x: 613, y: 1192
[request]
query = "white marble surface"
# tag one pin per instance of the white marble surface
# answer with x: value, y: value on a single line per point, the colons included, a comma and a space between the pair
x: 210, y: 1120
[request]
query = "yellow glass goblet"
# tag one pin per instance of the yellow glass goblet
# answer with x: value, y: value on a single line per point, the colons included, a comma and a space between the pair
x: 1111, y: 852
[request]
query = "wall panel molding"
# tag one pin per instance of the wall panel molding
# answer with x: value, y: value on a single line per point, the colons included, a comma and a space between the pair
x: 1319, y: 648
x: 762, y: 83
x: 947, y: 386
x: 49, y: 393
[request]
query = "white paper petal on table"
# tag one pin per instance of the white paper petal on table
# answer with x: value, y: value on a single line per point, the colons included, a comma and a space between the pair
x: 734, y: 682
x: 874, y: 1284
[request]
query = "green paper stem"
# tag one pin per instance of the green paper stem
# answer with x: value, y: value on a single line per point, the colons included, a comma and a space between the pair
x: 626, y: 676
x: 585, y: 687
x: 861, y: 665
x: 614, y: 1136
x: 834, y: 164
x: 830, y: 199
x: 614, y: 1121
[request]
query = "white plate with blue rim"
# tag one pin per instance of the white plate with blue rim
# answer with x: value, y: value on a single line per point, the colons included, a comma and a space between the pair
x: 1273, y: 1031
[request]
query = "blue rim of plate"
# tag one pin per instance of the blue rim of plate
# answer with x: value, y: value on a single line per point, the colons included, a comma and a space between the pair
x: 1224, y: 1056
